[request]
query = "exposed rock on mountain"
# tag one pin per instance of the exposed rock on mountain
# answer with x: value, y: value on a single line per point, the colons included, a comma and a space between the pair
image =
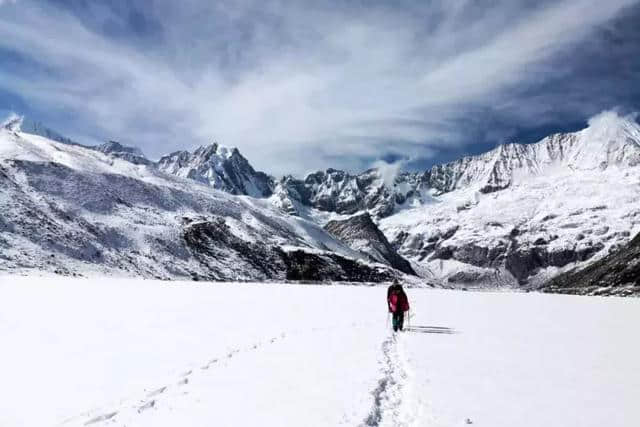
x: 304, y: 265
x: 514, y: 216
x: 609, y: 141
x: 212, y: 242
x: 362, y: 234
x: 64, y: 209
x: 520, y: 214
x: 616, y: 274
x: 338, y: 191
x: 130, y: 154
x: 220, y: 167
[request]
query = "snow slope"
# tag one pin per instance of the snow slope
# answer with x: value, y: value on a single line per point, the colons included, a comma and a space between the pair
x: 512, y: 217
x: 538, y: 227
x: 74, y: 210
x: 147, y: 353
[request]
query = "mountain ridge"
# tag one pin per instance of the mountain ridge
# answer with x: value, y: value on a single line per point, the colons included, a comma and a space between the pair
x: 72, y: 210
x: 513, y: 216
x: 332, y: 190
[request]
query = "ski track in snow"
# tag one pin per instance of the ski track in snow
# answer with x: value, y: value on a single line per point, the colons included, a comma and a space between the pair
x: 394, y: 400
x: 152, y: 398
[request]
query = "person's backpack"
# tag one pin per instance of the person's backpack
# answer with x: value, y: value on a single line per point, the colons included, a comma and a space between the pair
x: 394, y: 299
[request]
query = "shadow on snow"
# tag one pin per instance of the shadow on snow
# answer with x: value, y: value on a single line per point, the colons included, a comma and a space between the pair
x: 430, y: 329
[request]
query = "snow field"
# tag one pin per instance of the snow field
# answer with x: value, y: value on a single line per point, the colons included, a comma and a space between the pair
x: 148, y: 353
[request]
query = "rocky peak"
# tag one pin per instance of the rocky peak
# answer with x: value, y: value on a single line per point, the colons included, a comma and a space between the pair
x: 215, y: 151
x: 220, y: 167
x: 116, y: 147
x: 339, y: 191
x: 609, y: 140
x: 124, y: 152
x: 363, y: 235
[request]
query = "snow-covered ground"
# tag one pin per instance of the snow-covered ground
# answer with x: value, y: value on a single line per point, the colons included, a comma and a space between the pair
x: 151, y: 353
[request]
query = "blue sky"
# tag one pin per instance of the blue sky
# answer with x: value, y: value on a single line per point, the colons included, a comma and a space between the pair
x: 299, y: 86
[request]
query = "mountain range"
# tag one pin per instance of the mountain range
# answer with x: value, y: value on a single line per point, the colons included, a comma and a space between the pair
x: 514, y: 217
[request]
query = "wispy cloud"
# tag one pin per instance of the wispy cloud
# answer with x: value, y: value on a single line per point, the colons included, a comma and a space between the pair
x: 294, y: 85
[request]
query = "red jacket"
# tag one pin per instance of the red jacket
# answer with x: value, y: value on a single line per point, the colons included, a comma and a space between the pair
x: 397, y: 299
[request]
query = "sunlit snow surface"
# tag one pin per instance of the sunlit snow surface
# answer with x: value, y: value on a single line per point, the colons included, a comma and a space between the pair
x: 149, y: 353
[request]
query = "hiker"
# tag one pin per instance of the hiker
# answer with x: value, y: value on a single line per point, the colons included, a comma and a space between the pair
x: 398, y: 303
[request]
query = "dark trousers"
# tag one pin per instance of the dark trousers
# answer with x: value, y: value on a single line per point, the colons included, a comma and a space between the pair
x: 398, y: 320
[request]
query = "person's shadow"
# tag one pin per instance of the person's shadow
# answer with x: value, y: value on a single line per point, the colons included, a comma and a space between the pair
x: 430, y: 329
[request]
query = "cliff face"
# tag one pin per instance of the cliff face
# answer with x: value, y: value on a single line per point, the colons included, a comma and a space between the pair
x: 362, y: 234
x: 72, y: 210
x: 220, y: 167
x: 514, y: 216
x: 616, y: 274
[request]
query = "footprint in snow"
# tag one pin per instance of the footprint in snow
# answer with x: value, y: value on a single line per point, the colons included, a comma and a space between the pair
x: 103, y: 417
x: 156, y: 392
x: 146, y: 406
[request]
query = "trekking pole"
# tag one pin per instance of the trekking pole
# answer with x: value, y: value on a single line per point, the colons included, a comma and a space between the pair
x: 388, y: 316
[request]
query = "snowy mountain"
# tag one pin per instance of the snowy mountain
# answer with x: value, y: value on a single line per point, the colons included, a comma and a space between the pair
x: 609, y: 141
x: 616, y: 274
x: 523, y: 213
x: 514, y: 216
x: 18, y: 123
x: 343, y: 193
x: 130, y: 154
x: 74, y: 210
x: 362, y: 234
x: 219, y: 167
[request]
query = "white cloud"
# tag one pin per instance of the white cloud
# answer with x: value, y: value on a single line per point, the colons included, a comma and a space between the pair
x: 389, y: 171
x: 309, y: 84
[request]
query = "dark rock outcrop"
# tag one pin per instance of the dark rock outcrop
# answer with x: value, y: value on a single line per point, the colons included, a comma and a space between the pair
x: 616, y: 274
x: 124, y: 152
x: 341, y: 192
x: 302, y: 265
x: 362, y: 234
x: 524, y: 261
x: 212, y: 240
x: 53, y: 219
x: 220, y: 167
